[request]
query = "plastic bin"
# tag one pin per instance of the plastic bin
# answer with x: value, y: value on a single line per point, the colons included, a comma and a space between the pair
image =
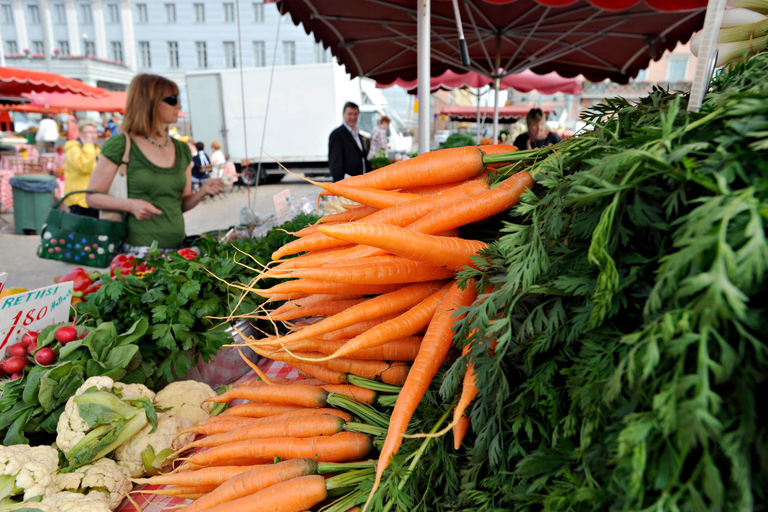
x: 32, y: 197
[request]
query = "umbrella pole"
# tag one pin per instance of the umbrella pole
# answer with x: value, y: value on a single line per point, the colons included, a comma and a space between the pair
x: 423, y: 52
x: 496, y: 86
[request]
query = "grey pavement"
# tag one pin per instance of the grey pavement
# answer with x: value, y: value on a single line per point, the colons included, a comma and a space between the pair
x: 18, y: 253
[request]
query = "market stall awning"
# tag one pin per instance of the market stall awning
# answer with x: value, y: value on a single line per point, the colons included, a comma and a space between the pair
x: 506, y: 114
x: 600, y: 39
x: 526, y: 81
x: 33, y: 109
x: 112, y: 101
x: 15, y: 81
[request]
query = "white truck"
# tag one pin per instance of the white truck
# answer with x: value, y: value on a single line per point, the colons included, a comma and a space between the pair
x: 291, y: 124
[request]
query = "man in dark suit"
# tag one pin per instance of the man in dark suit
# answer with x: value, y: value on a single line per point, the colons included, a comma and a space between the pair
x: 199, y: 161
x: 347, y: 149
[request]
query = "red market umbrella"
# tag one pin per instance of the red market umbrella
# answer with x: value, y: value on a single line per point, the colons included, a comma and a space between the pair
x: 526, y: 81
x: 33, y: 109
x: 15, y: 81
x: 469, y: 113
x: 112, y: 101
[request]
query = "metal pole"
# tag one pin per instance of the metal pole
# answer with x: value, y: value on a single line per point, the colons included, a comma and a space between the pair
x: 423, y: 53
x: 496, y: 86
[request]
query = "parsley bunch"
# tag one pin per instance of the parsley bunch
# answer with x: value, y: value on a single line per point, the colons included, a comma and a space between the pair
x: 628, y: 307
x: 181, y: 300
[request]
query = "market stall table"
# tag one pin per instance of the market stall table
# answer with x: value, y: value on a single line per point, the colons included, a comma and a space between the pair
x: 159, y: 503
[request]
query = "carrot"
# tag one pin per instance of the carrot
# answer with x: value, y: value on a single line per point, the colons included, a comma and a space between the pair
x: 324, y: 425
x: 391, y: 373
x: 402, y: 270
x: 341, y: 447
x: 387, y: 303
x: 460, y: 430
x: 312, y: 229
x: 497, y: 149
x: 252, y: 481
x: 306, y: 396
x: 322, y: 308
x: 450, y: 252
x: 403, y: 349
x: 434, y: 348
x: 475, y: 208
x: 428, y: 169
x: 398, y: 215
x: 348, y: 216
x: 374, y: 197
x: 224, y: 427
x: 357, y: 328
x: 214, y: 427
x: 181, y: 491
x: 296, y: 495
x: 311, y: 299
x: 320, y: 372
x: 259, y: 410
x: 200, y: 477
x: 304, y: 287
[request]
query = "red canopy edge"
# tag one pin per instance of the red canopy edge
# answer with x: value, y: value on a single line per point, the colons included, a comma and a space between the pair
x: 14, y: 81
x: 469, y: 113
x: 526, y: 81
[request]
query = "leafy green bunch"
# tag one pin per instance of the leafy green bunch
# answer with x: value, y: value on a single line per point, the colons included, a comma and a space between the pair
x: 186, y: 302
x: 626, y: 299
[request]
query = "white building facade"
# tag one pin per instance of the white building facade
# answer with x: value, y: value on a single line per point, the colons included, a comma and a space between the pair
x: 106, y: 42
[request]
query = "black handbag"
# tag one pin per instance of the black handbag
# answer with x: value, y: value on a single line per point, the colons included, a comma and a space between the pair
x: 79, y: 239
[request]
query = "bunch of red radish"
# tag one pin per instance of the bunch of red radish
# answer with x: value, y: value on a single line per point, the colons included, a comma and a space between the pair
x: 22, y: 354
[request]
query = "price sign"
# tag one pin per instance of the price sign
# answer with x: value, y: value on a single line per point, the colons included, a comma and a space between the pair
x: 282, y: 205
x: 3, y: 277
x: 32, y: 311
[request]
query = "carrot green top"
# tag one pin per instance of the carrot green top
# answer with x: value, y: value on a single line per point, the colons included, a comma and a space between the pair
x: 161, y: 186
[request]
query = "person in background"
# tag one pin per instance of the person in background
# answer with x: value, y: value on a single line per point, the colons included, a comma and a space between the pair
x: 78, y: 167
x: 73, y: 131
x: 200, y: 160
x: 159, y: 169
x: 347, y: 149
x: 379, y: 137
x: 113, y: 125
x: 217, y: 160
x: 538, y: 134
x: 47, y: 134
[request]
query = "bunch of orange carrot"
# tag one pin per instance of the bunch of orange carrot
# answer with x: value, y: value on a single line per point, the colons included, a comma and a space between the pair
x: 379, y: 278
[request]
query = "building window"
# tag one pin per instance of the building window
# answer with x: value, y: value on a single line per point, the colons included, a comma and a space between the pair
x: 170, y: 13
x: 321, y: 54
x: 34, y: 14
x: 230, y: 58
x: 289, y: 53
x: 258, y: 12
x: 12, y: 47
x: 59, y: 14
x: 117, y: 51
x: 141, y: 14
x: 229, y: 12
x: 90, y: 48
x: 38, y: 47
x: 145, y: 57
x: 199, y: 13
x: 64, y: 47
x: 173, y: 54
x: 113, y: 13
x: 259, y: 54
x: 201, y: 54
x: 642, y: 75
x: 7, y: 14
x: 86, y: 16
x: 677, y: 68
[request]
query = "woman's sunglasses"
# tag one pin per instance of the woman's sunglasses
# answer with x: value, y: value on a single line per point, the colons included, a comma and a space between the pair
x: 172, y: 100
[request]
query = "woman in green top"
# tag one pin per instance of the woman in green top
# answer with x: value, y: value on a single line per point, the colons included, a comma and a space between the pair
x: 159, y: 168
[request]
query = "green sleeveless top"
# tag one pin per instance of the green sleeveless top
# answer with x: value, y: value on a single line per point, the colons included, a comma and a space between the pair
x: 161, y: 186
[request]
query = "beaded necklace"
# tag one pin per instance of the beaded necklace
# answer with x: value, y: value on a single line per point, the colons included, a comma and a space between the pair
x: 161, y: 146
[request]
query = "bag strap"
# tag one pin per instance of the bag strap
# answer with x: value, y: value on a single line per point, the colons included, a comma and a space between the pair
x: 58, y: 203
x: 123, y: 167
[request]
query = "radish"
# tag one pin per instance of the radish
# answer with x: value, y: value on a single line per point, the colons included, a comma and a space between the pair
x: 15, y: 364
x: 17, y: 349
x: 29, y: 338
x: 65, y: 334
x: 45, y: 356
x: 31, y: 349
x: 16, y: 375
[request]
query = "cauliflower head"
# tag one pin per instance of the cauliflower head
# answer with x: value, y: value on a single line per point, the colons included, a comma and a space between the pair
x: 134, y: 390
x: 184, y: 398
x: 66, y: 501
x: 33, y: 468
x: 128, y: 455
x: 103, y: 479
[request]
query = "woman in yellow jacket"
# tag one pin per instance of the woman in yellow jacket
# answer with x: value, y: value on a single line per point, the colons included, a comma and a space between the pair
x: 81, y: 160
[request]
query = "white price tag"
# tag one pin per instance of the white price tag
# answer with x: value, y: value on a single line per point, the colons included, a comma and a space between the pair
x: 32, y: 311
x: 282, y: 205
x: 3, y: 277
